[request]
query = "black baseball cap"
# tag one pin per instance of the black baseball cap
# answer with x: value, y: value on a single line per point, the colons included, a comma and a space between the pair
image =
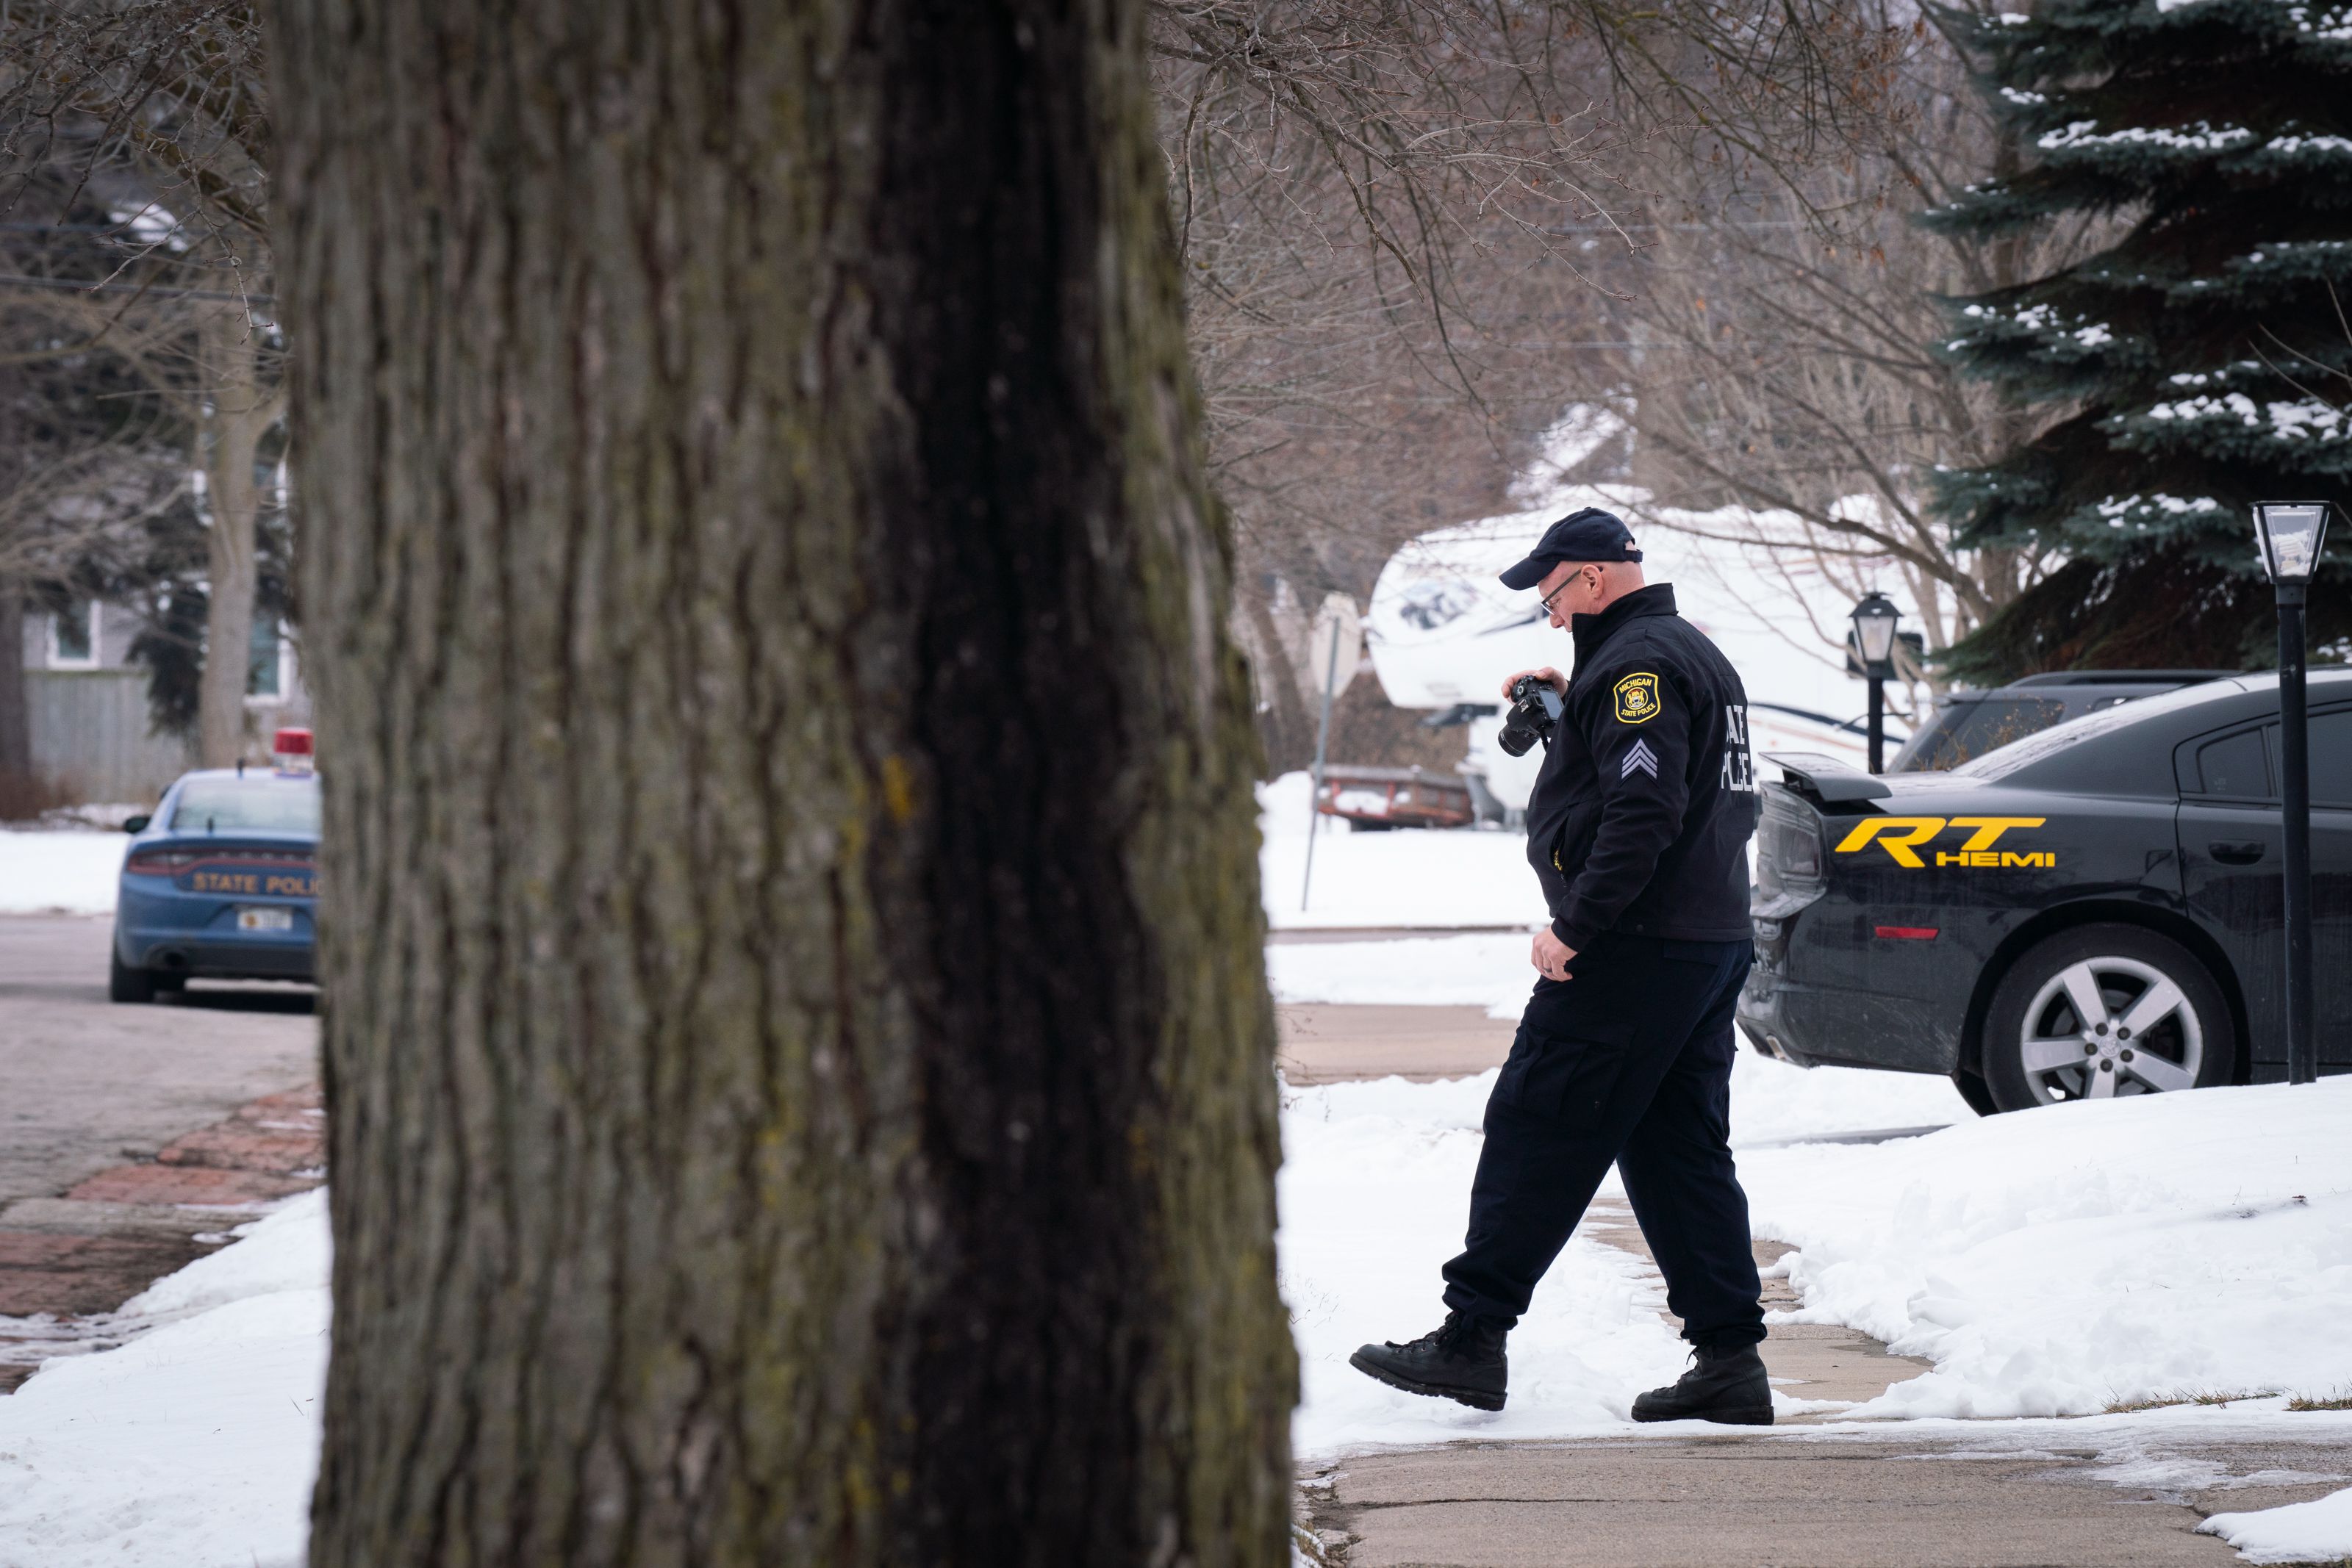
x: 1590, y: 534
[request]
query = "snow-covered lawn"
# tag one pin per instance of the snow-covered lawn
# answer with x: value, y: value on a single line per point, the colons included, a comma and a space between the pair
x: 1489, y: 970
x: 1374, y: 1189
x: 71, y: 869
x: 1407, y: 878
x: 193, y: 1446
x: 1373, y: 1186
x: 2051, y: 1264
x: 2061, y: 1261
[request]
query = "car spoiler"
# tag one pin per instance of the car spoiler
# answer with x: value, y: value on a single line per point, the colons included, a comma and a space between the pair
x: 1826, y: 777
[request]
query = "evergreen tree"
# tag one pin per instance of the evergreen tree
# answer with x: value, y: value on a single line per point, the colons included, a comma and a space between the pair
x: 2199, y: 363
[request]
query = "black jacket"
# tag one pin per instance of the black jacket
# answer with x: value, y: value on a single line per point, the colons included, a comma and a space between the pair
x: 1639, y: 818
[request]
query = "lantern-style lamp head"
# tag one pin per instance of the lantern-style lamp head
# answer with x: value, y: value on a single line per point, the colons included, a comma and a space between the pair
x: 1873, y: 634
x: 2290, y: 533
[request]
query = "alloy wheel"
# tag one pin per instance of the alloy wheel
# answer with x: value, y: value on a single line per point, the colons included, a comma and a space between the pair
x: 2108, y: 1025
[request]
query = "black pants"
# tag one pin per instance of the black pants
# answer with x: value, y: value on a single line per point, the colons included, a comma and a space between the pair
x: 1628, y: 1061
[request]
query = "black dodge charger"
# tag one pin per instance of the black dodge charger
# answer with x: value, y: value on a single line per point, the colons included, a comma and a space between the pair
x: 2091, y: 911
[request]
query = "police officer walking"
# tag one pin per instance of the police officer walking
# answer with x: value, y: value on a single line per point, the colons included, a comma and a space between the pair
x: 1638, y: 831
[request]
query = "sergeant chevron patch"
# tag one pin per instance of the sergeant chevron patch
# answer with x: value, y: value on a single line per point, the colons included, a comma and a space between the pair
x: 1639, y: 756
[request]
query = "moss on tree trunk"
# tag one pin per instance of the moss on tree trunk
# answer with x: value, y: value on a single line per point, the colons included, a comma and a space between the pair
x: 796, y: 1044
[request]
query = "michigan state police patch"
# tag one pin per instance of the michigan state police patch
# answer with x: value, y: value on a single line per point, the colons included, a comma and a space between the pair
x: 1637, y: 699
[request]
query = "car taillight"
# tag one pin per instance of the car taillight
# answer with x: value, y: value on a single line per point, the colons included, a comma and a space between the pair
x: 1801, y: 851
x: 162, y: 862
x: 1787, y: 850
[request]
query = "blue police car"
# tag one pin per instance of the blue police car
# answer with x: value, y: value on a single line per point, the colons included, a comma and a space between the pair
x: 222, y: 882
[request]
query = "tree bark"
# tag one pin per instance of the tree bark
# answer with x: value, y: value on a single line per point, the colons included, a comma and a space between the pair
x: 796, y: 1042
x: 1285, y: 731
x: 239, y: 412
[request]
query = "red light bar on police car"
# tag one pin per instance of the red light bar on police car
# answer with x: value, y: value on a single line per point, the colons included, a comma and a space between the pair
x: 291, y: 750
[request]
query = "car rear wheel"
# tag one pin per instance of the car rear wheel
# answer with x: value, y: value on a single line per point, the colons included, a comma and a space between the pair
x: 2104, y: 1011
x: 125, y: 983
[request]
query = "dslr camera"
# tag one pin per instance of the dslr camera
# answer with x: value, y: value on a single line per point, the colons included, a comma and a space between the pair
x: 1535, y: 710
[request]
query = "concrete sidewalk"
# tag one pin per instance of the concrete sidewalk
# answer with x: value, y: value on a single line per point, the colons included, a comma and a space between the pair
x: 1807, y: 1361
x: 1800, y: 1500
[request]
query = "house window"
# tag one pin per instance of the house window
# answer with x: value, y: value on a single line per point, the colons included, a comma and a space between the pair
x: 266, y: 676
x: 73, y: 636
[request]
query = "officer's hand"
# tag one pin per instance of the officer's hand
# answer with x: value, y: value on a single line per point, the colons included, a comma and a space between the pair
x: 1547, y: 674
x: 1551, y: 955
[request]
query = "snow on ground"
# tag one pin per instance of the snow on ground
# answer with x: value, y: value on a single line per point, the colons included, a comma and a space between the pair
x: 2173, y: 1260
x: 2316, y: 1532
x: 1374, y: 1193
x: 2058, y: 1262
x: 1374, y: 1183
x: 71, y: 869
x: 193, y: 1446
x: 1775, y: 1104
x: 1410, y: 877
x: 2050, y: 1263
x: 1489, y: 970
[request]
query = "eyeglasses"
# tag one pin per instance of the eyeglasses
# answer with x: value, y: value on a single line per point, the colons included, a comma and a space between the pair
x: 1556, y: 592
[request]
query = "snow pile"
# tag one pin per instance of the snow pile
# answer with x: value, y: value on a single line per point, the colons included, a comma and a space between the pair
x: 1775, y: 1104
x: 2062, y: 1260
x: 1375, y: 1187
x: 2316, y: 1532
x: 73, y: 871
x: 195, y: 1445
x: 1410, y: 877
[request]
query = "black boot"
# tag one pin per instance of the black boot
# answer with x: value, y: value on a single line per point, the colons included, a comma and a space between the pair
x: 1726, y: 1384
x: 1460, y: 1359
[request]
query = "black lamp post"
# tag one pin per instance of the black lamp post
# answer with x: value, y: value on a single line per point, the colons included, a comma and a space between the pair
x: 2291, y: 534
x: 1874, y: 640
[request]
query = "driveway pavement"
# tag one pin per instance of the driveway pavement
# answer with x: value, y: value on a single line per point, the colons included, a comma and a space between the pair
x: 130, y: 1133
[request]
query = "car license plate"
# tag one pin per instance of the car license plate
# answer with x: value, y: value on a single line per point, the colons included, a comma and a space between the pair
x: 265, y: 920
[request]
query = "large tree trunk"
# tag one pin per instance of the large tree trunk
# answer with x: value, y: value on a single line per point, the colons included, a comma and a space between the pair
x: 239, y: 412
x: 796, y: 1044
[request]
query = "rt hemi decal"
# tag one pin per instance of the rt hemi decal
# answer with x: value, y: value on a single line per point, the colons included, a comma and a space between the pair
x: 1900, y: 836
